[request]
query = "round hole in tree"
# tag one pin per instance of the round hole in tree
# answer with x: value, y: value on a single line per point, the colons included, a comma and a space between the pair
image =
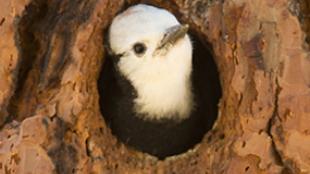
x: 160, y: 135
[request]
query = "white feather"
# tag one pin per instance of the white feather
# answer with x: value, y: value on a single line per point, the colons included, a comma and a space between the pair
x: 162, y: 81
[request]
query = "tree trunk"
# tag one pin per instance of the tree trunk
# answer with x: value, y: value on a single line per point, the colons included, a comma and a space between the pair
x: 51, y: 54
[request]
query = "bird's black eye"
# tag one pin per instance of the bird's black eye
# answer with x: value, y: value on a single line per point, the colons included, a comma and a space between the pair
x: 139, y: 48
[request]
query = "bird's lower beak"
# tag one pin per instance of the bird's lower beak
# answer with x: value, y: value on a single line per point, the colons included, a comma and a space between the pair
x: 173, y: 34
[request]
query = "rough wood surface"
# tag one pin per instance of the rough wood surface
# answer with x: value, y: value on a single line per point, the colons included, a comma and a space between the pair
x: 51, y: 54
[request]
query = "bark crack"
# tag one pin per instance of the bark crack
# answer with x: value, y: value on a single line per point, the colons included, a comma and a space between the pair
x: 272, y: 120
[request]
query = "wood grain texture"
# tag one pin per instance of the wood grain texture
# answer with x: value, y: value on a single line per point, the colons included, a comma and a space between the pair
x: 51, y: 53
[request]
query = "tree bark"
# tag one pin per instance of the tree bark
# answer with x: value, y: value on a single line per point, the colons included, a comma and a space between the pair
x: 51, y: 54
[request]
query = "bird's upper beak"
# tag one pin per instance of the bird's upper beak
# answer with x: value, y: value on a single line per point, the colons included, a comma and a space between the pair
x: 173, y: 34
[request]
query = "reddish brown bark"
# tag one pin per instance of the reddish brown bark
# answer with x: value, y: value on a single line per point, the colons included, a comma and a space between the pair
x: 51, y: 54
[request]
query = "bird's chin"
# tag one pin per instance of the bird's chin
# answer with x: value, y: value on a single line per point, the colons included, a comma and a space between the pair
x: 164, y: 50
x: 161, y: 52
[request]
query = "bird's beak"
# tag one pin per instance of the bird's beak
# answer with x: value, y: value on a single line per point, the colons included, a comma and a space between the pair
x: 173, y: 34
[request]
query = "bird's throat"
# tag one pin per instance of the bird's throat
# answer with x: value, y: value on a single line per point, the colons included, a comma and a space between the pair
x: 165, y: 99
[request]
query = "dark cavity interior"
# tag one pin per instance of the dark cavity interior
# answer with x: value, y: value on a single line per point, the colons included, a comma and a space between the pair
x: 207, y: 91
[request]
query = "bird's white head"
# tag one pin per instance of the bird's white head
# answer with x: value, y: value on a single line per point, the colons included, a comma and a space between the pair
x: 156, y: 57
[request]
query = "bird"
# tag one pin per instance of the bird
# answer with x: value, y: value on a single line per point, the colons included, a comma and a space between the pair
x: 149, y: 101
